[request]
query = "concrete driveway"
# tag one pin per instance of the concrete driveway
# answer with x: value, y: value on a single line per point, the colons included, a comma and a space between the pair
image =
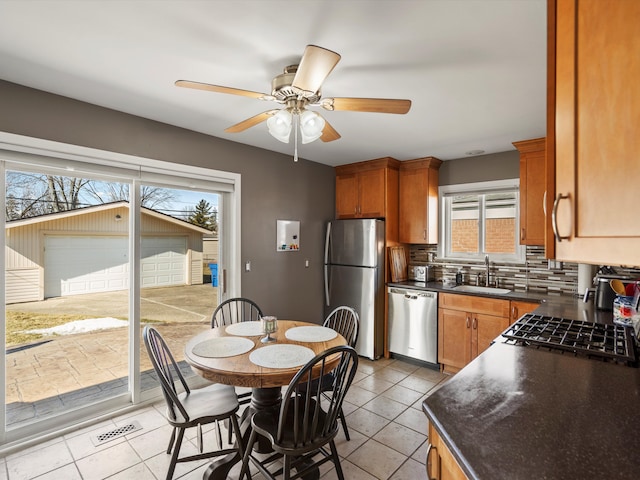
x: 181, y: 304
x: 70, y: 370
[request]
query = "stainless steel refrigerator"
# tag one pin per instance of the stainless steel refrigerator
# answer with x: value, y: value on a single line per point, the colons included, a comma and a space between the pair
x: 354, y: 276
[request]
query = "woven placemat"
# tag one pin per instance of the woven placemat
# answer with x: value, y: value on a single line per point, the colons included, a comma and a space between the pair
x: 281, y: 356
x: 222, y: 347
x: 311, y: 334
x: 245, y: 329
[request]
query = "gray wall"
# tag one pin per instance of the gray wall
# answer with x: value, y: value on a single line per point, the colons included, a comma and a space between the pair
x: 482, y: 168
x: 273, y: 187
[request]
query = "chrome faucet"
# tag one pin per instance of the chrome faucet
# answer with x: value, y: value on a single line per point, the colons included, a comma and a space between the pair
x: 486, y: 264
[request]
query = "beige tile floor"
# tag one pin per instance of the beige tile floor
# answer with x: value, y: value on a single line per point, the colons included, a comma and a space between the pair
x: 383, y: 408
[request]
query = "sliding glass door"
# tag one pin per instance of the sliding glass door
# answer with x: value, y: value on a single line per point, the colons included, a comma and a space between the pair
x: 94, y: 252
x: 66, y: 295
x: 179, y: 269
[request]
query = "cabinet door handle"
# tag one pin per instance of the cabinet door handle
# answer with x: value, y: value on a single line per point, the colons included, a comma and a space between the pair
x: 468, y: 322
x: 522, y: 235
x: 554, y: 218
x: 514, y: 312
x: 424, y: 234
x: 544, y: 203
x: 475, y: 323
x: 429, y: 448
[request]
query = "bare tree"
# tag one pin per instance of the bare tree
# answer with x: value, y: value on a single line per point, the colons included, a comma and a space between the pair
x: 63, y: 193
x: 31, y: 195
x: 26, y: 196
x: 150, y: 197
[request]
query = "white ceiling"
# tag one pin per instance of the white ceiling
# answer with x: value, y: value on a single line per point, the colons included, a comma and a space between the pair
x: 475, y: 70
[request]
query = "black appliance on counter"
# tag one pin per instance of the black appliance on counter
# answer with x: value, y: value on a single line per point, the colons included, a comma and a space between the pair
x: 605, y: 295
x: 605, y: 342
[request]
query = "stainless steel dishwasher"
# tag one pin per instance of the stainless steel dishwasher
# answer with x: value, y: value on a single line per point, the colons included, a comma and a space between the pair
x: 413, y: 323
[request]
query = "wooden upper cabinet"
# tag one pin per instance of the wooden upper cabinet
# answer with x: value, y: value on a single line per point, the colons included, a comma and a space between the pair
x: 592, y: 137
x: 367, y: 189
x: 418, y: 214
x: 532, y: 188
x: 347, y: 201
x: 372, y: 193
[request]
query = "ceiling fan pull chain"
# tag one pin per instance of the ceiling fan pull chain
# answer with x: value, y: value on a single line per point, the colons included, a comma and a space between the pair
x: 296, y: 126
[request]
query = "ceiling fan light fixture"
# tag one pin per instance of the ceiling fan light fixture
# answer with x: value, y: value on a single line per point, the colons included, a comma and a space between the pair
x: 279, y: 125
x: 311, y: 126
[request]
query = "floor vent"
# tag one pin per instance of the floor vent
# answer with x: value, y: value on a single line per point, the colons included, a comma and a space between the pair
x: 116, y: 433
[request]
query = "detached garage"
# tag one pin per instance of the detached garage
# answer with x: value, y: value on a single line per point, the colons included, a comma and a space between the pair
x: 87, y: 251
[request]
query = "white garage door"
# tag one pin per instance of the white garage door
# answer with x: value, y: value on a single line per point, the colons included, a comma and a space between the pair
x: 76, y: 265
x: 91, y: 264
x: 164, y: 261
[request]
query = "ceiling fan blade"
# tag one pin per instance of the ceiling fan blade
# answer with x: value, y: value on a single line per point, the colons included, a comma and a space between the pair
x: 251, y: 122
x: 378, y: 105
x: 329, y: 133
x: 315, y: 66
x: 220, y: 89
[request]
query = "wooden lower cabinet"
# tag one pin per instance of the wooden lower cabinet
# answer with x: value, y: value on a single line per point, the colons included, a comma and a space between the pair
x: 440, y: 462
x: 467, y: 325
x: 519, y: 308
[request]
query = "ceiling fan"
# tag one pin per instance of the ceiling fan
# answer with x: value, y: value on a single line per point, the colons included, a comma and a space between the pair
x: 298, y: 88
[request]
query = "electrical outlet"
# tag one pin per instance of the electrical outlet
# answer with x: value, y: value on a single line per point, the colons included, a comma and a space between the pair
x: 247, y: 267
x: 306, y: 264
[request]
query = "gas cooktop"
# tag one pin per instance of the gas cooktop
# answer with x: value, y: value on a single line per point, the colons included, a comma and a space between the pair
x: 606, y: 342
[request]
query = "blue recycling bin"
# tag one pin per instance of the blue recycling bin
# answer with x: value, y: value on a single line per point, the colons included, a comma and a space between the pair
x: 214, y: 274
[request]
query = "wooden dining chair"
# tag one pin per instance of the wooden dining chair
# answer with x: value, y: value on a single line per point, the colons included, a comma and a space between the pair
x: 307, y: 422
x: 190, y: 408
x: 235, y: 310
x: 345, y: 321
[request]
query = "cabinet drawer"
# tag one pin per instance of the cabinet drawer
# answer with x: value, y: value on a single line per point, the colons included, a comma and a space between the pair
x: 476, y: 304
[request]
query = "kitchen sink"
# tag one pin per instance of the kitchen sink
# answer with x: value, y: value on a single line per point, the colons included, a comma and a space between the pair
x: 488, y: 290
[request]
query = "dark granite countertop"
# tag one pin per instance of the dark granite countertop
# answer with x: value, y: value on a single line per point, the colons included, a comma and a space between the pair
x: 566, y: 306
x: 517, y: 413
x: 441, y: 287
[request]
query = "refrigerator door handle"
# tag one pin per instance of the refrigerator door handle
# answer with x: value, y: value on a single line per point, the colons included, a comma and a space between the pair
x: 326, y: 261
x: 326, y: 284
x: 326, y: 244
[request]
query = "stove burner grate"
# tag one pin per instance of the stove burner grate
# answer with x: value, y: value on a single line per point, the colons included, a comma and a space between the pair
x: 608, y: 342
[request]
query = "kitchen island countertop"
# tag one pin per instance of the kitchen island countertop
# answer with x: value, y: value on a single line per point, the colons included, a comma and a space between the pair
x: 518, y: 413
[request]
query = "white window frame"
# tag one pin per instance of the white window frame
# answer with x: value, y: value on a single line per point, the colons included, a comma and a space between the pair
x: 27, y: 153
x: 446, y: 192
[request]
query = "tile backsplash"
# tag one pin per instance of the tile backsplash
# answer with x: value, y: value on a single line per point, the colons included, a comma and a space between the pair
x: 535, y: 276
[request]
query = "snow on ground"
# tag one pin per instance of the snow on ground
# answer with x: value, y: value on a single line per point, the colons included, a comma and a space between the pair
x: 82, y: 326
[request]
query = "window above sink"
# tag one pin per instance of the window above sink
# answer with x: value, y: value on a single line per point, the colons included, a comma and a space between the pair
x: 479, y: 219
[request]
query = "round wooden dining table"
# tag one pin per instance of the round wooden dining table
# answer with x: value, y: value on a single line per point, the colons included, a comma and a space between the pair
x: 240, y: 370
